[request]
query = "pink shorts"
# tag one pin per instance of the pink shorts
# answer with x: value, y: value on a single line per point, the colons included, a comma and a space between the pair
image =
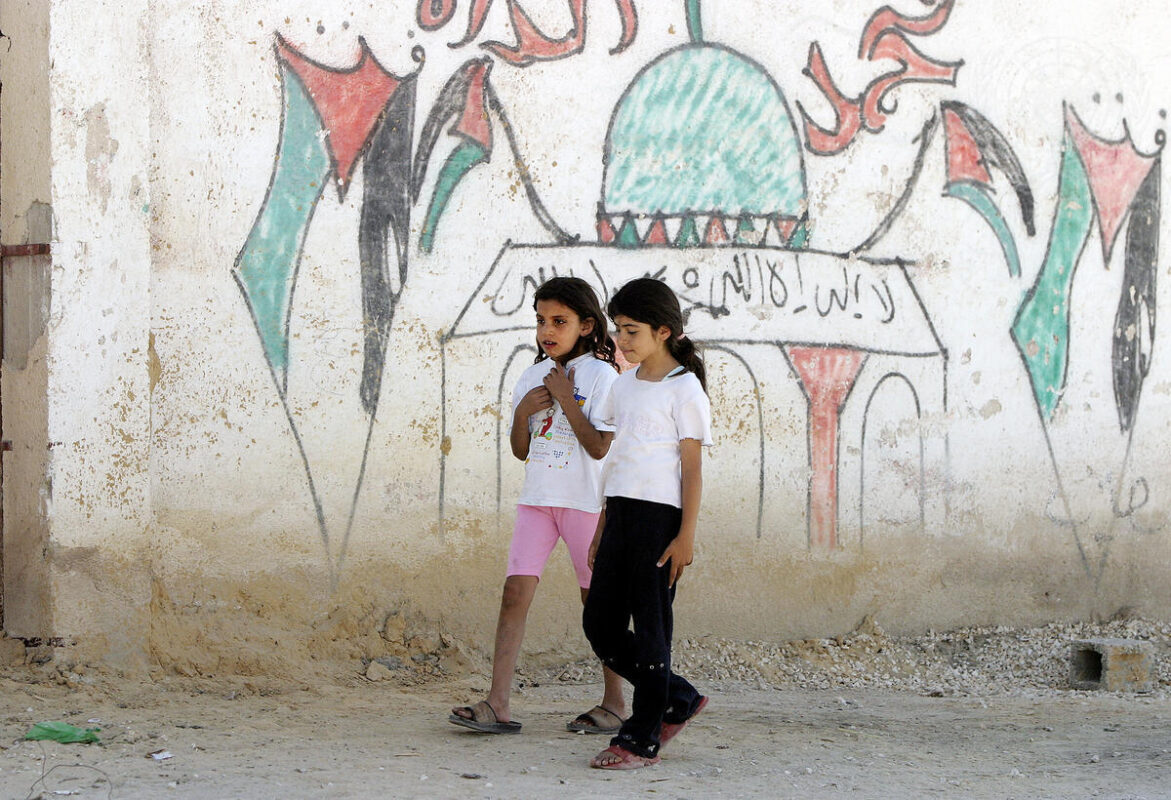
x: 536, y: 533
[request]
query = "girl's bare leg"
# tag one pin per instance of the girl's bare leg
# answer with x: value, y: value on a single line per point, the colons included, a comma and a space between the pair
x: 510, y: 632
x: 612, y: 698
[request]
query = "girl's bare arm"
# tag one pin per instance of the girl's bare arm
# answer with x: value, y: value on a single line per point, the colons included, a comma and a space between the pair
x: 536, y: 400
x: 594, y: 441
x: 593, y: 552
x: 681, y: 551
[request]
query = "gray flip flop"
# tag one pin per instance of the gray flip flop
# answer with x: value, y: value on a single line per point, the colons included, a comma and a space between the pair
x: 589, y: 723
x: 482, y: 722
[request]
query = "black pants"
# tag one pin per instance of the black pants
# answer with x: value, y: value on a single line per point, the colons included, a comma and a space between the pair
x: 628, y: 586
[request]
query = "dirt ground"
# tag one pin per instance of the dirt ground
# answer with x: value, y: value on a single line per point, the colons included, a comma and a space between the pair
x: 820, y: 736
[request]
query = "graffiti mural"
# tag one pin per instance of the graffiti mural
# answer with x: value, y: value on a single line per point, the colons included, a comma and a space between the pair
x: 702, y: 154
x: 718, y: 184
x: 827, y: 376
x: 703, y: 181
x: 332, y: 118
x: 1100, y: 181
x: 973, y: 145
x: 884, y: 38
x: 824, y: 313
x: 1104, y: 182
x: 532, y: 45
x: 469, y: 103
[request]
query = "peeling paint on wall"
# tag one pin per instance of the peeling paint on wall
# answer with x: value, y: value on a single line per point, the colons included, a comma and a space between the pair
x: 100, y: 149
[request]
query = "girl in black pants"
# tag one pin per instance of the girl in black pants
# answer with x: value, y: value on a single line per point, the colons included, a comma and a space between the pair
x: 646, y: 535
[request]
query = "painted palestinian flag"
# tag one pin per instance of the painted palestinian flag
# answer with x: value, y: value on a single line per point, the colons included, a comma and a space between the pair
x: 1108, y: 182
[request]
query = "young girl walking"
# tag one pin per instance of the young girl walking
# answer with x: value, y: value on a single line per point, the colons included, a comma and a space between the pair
x: 558, y: 432
x: 645, y: 537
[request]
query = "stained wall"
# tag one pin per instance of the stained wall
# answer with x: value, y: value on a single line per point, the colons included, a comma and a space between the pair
x: 295, y: 253
x: 25, y: 219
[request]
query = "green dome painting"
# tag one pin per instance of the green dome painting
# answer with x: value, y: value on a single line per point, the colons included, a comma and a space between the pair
x: 703, y: 130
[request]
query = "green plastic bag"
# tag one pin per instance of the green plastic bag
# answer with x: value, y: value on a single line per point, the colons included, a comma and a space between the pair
x: 62, y: 732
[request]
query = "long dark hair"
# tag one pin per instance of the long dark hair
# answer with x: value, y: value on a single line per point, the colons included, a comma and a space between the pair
x: 578, y: 296
x: 652, y: 302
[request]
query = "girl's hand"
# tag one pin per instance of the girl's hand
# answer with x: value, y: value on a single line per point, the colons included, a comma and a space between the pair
x: 593, y: 551
x: 537, y: 399
x: 679, y: 553
x: 560, y: 385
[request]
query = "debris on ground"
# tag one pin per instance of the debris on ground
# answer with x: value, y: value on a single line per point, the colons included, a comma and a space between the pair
x: 970, y: 661
x: 62, y: 732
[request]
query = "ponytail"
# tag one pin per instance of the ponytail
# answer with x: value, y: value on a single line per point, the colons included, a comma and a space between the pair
x: 683, y: 350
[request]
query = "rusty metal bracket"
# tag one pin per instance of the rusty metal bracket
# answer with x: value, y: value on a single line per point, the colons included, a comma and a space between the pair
x: 17, y: 250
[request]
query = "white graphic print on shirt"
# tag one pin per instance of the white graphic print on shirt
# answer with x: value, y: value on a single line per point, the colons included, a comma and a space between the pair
x: 553, y: 439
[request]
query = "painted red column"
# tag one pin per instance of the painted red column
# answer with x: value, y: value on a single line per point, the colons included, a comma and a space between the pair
x: 827, y: 374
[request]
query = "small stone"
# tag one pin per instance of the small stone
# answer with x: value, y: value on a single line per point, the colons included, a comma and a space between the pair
x: 12, y: 652
x: 378, y: 672
x: 392, y: 663
x: 38, y: 655
x: 426, y: 644
x: 393, y: 627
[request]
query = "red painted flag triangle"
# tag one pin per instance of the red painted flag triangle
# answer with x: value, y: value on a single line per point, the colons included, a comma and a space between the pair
x: 1115, y: 171
x: 348, y: 101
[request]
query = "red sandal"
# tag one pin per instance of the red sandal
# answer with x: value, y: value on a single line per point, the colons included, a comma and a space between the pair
x: 670, y: 730
x: 626, y: 759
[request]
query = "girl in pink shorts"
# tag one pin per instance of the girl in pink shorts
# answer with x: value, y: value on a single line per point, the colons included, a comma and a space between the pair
x: 558, y: 431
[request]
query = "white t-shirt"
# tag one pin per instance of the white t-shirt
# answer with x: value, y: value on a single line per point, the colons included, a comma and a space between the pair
x: 651, y: 418
x: 559, y: 472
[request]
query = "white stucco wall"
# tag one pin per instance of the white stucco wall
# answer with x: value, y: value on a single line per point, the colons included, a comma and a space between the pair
x: 90, y: 406
x: 182, y: 488
x: 99, y: 392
